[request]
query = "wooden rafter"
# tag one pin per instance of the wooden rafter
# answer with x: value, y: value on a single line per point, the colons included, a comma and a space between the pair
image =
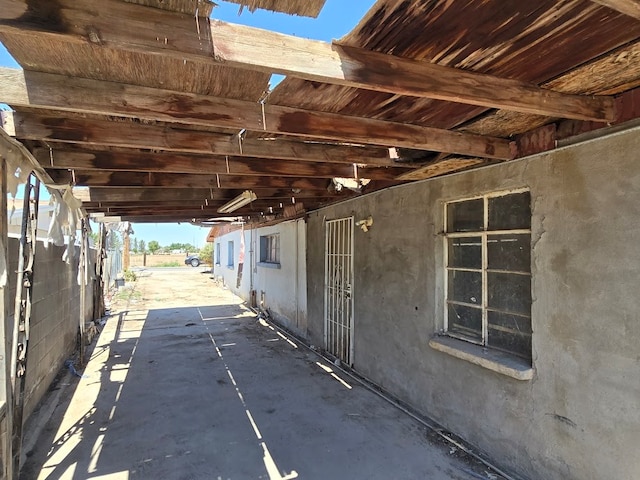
x: 109, y: 196
x: 20, y: 88
x: 54, y: 127
x: 199, y: 164
x: 115, y: 24
x: 185, y: 180
x: 628, y: 7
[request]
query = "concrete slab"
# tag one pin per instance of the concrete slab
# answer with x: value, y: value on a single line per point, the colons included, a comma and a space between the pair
x: 185, y: 383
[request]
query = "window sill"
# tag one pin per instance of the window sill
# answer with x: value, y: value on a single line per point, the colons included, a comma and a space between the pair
x: 230, y: 267
x: 268, y: 265
x: 490, y: 359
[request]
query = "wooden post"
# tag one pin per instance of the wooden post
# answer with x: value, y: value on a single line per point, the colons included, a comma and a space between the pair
x: 126, y: 259
x: 82, y: 267
x: 5, y: 347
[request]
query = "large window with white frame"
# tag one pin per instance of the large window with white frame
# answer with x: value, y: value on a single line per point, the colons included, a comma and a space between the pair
x: 488, y: 271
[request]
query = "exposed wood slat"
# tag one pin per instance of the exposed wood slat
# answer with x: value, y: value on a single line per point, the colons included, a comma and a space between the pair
x: 142, y: 194
x: 35, y: 89
x: 628, y: 7
x: 141, y: 179
x: 243, y: 47
x: 110, y: 23
x: 440, y: 167
x: 170, y: 163
x: 98, y: 132
x: 112, y: 197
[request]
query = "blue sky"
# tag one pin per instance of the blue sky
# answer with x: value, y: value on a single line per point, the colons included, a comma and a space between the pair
x: 337, y: 18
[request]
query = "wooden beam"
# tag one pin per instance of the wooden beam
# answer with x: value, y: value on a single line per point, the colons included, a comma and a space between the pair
x: 628, y: 7
x: 184, y: 180
x: 166, y: 218
x: 107, y: 207
x: 105, y: 133
x: 114, y: 24
x: 247, y: 47
x: 208, y: 165
x: 187, y: 210
x: 132, y: 195
x: 20, y: 88
x: 144, y: 194
x: 441, y: 167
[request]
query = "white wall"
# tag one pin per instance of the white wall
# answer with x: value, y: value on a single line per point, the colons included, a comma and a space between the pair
x: 283, y: 290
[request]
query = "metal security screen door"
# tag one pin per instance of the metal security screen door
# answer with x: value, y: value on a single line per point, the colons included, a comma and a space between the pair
x: 338, y: 298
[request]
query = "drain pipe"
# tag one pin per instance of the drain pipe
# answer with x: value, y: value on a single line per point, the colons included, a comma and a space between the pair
x: 370, y: 386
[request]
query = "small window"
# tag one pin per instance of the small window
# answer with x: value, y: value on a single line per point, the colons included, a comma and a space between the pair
x: 270, y: 249
x: 218, y: 253
x: 488, y: 272
x: 230, y: 255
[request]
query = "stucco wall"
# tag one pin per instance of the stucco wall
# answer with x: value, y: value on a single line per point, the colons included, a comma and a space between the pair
x: 284, y: 288
x: 579, y: 417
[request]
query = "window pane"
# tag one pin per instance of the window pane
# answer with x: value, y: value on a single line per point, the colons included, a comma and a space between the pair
x: 510, y: 333
x: 465, y: 321
x: 510, y: 211
x: 465, y: 287
x: 509, y: 292
x: 465, y: 216
x: 509, y: 252
x: 465, y: 252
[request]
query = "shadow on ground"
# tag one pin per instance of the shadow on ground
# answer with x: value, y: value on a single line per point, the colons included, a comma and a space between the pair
x: 211, y: 392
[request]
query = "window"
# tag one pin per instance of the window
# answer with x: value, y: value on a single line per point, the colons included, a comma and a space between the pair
x: 488, y: 271
x: 270, y: 249
x: 218, y: 253
x: 230, y: 254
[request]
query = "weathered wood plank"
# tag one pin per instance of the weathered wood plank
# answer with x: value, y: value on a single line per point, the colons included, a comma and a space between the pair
x: 132, y: 27
x: 43, y: 90
x: 162, y: 180
x: 628, y: 7
x: 113, y: 197
x: 243, y: 47
x: 53, y: 127
x: 441, y: 167
x: 145, y: 194
x: 208, y: 165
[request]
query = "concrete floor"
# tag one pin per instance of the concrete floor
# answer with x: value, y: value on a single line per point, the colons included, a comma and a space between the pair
x: 185, y: 383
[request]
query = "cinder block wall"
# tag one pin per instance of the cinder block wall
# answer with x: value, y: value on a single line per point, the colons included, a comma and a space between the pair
x: 54, y: 318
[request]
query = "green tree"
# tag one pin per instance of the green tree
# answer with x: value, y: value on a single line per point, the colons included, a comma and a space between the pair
x: 142, y: 246
x: 154, y: 246
x: 135, y: 245
x: 206, y: 254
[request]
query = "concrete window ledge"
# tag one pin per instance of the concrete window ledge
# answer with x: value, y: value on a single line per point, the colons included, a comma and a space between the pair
x: 490, y: 359
x: 268, y: 265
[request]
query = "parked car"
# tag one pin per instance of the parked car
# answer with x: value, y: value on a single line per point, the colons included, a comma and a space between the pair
x: 193, y: 260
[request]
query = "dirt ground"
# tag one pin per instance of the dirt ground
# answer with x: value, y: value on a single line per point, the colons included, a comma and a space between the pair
x: 139, y: 260
x: 185, y: 383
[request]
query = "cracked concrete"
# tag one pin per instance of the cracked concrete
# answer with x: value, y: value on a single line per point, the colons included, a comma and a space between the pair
x: 185, y: 383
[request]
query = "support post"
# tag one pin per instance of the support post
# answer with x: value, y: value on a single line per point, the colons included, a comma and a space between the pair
x: 22, y: 312
x: 82, y: 277
x: 5, y: 332
x: 126, y: 260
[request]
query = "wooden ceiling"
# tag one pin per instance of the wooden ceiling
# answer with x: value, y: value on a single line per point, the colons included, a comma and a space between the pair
x: 166, y: 114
